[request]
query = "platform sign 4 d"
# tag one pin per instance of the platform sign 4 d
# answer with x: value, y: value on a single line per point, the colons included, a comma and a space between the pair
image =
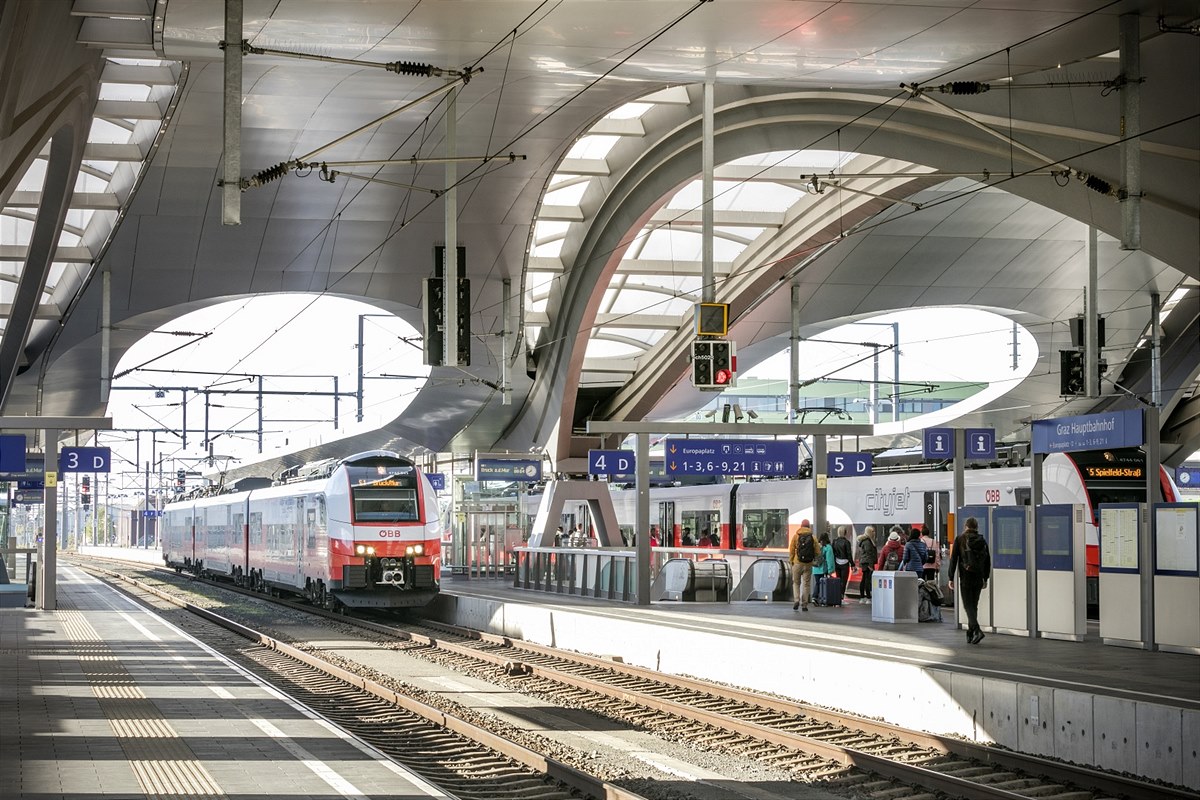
x: 611, y: 462
x: 84, y: 459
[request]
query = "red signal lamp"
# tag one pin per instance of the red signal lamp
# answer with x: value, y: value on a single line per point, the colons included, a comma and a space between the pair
x: 722, y: 377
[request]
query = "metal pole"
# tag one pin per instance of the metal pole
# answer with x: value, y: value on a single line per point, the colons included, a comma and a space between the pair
x: 231, y: 190
x: 1153, y: 444
x: 794, y: 369
x: 874, y: 390
x: 820, y: 479
x: 506, y: 341
x: 707, y: 289
x: 642, y: 457
x: 895, y: 372
x: 47, y: 595
x: 183, y: 408
x: 361, y: 320
x: 105, y: 335
x: 335, y: 402
x: 1155, y: 350
x: 260, y: 413
x: 1035, y: 499
x: 1091, y: 325
x: 450, y: 267
x: 1131, y: 129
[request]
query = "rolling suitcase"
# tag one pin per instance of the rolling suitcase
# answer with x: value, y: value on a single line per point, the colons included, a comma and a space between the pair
x: 829, y: 591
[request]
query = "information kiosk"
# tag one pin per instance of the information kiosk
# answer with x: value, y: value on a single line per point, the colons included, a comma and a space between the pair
x: 1176, y: 577
x: 1061, y: 558
x: 982, y: 515
x: 1122, y: 526
x: 1010, y: 603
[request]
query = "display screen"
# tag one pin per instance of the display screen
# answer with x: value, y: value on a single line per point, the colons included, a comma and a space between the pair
x: 1101, y: 473
x: 1054, y: 535
x: 1010, y: 536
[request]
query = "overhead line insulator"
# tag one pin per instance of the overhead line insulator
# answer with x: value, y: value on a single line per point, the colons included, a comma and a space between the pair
x: 412, y: 68
x: 964, y: 87
x: 263, y: 177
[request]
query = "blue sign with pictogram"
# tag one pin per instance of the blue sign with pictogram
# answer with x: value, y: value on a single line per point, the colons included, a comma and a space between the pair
x: 849, y: 465
x: 1188, y: 477
x: 84, y: 459
x: 731, y: 457
x: 1109, y: 431
x: 437, y: 480
x: 611, y: 462
x: 508, y: 469
x: 981, y: 443
x: 12, y: 452
x: 939, y: 443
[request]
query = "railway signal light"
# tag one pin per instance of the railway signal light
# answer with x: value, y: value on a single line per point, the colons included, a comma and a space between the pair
x: 434, y: 312
x: 1070, y: 373
x: 714, y: 364
x: 85, y: 491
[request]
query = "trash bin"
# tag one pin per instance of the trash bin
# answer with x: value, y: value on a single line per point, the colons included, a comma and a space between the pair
x: 894, y: 596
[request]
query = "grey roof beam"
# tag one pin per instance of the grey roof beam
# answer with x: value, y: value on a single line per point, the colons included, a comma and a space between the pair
x: 133, y: 9
x: 68, y: 255
x: 88, y: 201
x: 128, y: 109
x: 653, y: 322
x: 724, y: 218
x: 108, y: 32
x: 137, y: 75
x: 96, y: 151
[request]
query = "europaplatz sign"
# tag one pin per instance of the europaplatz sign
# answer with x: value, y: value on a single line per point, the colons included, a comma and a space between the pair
x: 1091, y: 432
x: 731, y: 457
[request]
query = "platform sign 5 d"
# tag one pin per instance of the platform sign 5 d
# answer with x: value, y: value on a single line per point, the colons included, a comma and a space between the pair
x: 611, y: 462
x: 850, y: 465
x: 731, y: 457
x: 85, y: 459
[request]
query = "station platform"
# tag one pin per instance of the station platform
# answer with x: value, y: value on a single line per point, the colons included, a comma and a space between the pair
x: 102, y: 698
x: 1085, y: 702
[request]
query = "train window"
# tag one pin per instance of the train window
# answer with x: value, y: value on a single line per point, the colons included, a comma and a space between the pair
x: 764, y: 527
x: 235, y: 530
x: 310, y: 524
x: 698, y: 526
x: 384, y: 504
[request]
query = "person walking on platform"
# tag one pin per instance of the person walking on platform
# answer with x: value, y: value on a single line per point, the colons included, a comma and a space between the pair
x: 843, y: 551
x: 824, y: 565
x: 802, y: 551
x: 893, y: 549
x: 933, y: 556
x: 868, y: 552
x: 972, y: 561
x: 913, y: 559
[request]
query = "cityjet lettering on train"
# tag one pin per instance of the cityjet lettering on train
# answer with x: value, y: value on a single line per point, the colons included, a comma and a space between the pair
x: 888, y: 502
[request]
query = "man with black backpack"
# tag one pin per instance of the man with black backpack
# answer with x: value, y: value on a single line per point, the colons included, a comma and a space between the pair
x: 971, y: 560
x: 802, y: 552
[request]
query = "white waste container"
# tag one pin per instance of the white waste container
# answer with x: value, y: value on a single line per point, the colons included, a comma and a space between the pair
x: 894, y: 596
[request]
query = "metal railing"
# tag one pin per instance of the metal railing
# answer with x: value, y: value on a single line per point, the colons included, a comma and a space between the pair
x: 584, y: 572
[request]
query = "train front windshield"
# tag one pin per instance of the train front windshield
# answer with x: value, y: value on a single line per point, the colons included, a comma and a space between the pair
x: 384, y: 498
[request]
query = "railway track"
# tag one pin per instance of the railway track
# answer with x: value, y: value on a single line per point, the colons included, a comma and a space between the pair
x: 861, y: 757
x: 463, y: 759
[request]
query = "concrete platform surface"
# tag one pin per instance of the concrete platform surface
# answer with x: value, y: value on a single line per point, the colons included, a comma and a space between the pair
x: 1084, y: 702
x: 102, y: 698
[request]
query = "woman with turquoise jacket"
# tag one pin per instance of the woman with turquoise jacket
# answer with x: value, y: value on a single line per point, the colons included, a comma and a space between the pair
x: 824, y: 565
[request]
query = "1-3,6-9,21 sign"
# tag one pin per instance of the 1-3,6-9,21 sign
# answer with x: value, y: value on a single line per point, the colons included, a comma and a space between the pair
x: 731, y: 457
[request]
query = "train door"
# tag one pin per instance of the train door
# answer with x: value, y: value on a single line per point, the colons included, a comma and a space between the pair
x: 937, y: 525
x: 666, y: 524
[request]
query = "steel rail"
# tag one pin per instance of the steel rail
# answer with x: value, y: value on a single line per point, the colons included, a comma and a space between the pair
x: 552, y: 768
x: 1096, y: 780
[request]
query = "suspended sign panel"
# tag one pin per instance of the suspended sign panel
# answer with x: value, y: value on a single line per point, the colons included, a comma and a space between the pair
x: 731, y: 457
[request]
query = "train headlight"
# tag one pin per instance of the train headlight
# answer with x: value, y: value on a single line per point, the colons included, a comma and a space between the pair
x: 360, y: 549
x: 418, y: 549
x: 408, y: 551
x: 370, y: 551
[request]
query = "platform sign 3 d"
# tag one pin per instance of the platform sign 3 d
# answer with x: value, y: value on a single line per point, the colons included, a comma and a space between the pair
x: 731, y: 457
x: 611, y: 462
x: 981, y: 443
x: 850, y: 465
x: 939, y: 443
x: 85, y: 459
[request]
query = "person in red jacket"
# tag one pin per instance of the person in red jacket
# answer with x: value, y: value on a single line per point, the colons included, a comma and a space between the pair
x: 893, y: 545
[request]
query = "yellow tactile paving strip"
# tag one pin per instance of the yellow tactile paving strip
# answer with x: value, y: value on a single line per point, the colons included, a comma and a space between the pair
x: 163, y: 764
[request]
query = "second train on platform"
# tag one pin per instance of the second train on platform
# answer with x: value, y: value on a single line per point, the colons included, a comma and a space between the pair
x: 362, y: 531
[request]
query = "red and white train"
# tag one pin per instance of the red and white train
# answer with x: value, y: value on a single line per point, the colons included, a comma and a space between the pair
x: 763, y: 515
x: 363, y: 531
